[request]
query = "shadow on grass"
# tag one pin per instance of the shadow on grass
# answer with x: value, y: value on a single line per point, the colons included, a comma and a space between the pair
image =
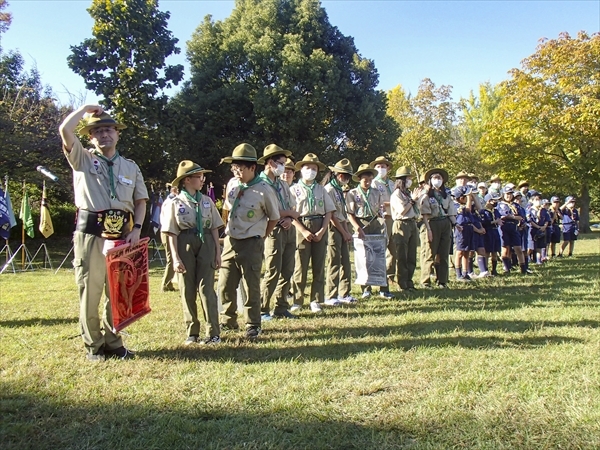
x: 38, y: 322
x: 31, y: 422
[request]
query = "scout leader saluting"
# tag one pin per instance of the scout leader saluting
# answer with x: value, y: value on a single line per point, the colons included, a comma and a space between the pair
x: 108, y: 190
x: 511, y: 237
x: 192, y: 223
x: 439, y: 216
x: 253, y: 213
x: 339, y: 235
x: 386, y: 186
x: 315, y: 208
x: 365, y: 207
x: 405, y: 234
x: 280, y: 244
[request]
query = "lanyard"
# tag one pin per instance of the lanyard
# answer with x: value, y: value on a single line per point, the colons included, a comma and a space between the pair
x: 196, y: 201
x: 111, y: 176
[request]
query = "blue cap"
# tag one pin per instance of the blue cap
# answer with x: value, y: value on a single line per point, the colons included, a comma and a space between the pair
x: 507, y: 190
x: 545, y: 201
x: 569, y: 199
x: 492, y: 196
x: 555, y: 199
x: 459, y: 191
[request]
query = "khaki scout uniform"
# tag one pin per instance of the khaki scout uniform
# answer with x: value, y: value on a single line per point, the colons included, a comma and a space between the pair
x: 386, y: 187
x: 280, y: 249
x: 313, y: 252
x: 198, y: 259
x: 92, y: 193
x: 367, y: 215
x: 441, y: 213
x: 169, y: 273
x: 244, y: 248
x: 405, y: 236
x: 338, y: 253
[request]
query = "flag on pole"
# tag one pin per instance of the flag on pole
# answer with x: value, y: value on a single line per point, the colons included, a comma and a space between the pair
x: 4, y: 218
x: 11, y: 214
x: 25, y: 216
x: 155, y: 211
x: 46, y: 227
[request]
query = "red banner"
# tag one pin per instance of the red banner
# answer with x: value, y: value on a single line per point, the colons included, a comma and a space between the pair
x: 128, y: 283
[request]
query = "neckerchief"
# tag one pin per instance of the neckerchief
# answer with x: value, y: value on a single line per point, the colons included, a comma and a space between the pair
x: 196, y: 201
x: 340, y: 190
x: 276, y: 185
x: 366, y: 199
x: 414, y: 206
x: 111, y: 176
x: 310, y: 195
x: 242, y: 187
x: 439, y: 199
x: 387, y: 185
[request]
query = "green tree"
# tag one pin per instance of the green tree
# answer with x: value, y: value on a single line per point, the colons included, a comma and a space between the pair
x: 5, y: 17
x: 547, y: 125
x: 430, y: 136
x: 124, y: 62
x: 278, y: 71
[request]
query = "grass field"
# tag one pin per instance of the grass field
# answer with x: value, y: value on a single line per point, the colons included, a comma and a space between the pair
x: 504, y: 363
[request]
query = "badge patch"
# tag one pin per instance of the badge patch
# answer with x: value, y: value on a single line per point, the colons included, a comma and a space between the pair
x: 358, y: 199
x: 206, y: 204
x: 321, y: 203
x: 250, y: 214
x: 207, y: 224
x: 96, y: 164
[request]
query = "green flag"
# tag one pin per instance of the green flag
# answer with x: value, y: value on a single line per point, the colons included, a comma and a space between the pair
x: 25, y: 216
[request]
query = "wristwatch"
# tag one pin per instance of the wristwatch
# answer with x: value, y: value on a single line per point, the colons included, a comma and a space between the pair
x: 138, y: 226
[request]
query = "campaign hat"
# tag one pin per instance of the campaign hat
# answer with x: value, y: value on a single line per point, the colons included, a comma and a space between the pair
x: 310, y: 158
x: 243, y: 152
x: 187, y: 168
x: 362, y: 169
x: 272, y: 150
x: 437, y: 170
x: 342, y: 166
x: 103, y: 120
x: 380, y: 160
x: 403, y: 171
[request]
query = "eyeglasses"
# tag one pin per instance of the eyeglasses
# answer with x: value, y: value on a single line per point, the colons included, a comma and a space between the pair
x: 202, y: 177
x: 236, y: 168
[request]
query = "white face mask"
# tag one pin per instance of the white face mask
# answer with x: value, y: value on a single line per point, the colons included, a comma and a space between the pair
x: 279, y: 170
x: 308, y: 174
x: 436, y: 183
x: 343, y: 181
x: 496, y: 185
x: 408, y: 183
x: 382, y: 172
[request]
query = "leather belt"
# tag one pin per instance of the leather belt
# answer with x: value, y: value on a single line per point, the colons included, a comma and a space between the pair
x: 108, y: 224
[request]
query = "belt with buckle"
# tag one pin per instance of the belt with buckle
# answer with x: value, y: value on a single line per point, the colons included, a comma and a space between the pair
x: 311, y: 218
x: 108, y: 224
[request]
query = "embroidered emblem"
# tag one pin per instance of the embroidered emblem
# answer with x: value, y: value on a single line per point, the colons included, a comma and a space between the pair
x: 320, y: 203
x: 207, y: 224
x: 113, y: 224
x: 250, y: 214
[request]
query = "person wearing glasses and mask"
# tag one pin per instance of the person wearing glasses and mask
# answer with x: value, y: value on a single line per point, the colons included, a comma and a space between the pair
x: 280, y: 244
x: 192, y: 224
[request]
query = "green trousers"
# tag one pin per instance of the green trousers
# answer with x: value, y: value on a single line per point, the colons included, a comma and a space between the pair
x: 199, y: 278
x: 241, y: 261
x: 405, y: 237
x: 338, y: 268
x: 440, y: 246
x: 280, y: 249
x: 90, y: 276
x: 310, y: 253
x: 169, y: 272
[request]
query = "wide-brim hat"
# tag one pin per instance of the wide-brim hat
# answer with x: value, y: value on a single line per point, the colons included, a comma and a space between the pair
x: 380, y: 160
x: 362, y: 169
x: 289, y: 164
x: 462, y: 174
x: 243, y: 152
x: 342, y: 166
x: 310, y: 158
x: 187, y: 168
x: 495, y: 177
x: 103, y: 120
x: 523, y: 183
x: 272, y: 150
x: 472, y: 175
x: 403, y: 171
x: 442, y: 172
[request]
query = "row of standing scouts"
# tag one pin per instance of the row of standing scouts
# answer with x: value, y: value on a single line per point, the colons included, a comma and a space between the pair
x: 290, y: 226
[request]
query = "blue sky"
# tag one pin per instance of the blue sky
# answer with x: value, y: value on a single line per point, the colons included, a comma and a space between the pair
x: 461, y: 43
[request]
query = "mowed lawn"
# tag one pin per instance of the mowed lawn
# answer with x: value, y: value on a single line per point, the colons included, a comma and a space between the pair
x: 504, y: 363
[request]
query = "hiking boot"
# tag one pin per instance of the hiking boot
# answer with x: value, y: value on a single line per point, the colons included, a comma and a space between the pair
x: 285, y: 315
x: 119, y: 353
x: 252, y: 332
x: 211, y: 340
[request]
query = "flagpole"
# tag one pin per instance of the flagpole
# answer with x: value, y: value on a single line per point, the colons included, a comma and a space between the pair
x: 5, y: 191
x: 23, y: 233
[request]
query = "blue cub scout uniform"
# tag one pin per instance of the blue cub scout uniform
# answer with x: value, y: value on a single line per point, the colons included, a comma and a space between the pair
x: 569, y: 221
x: 478, y: 241
x: 511, y: 236
x: 463, y: 240
x: 491, y: 238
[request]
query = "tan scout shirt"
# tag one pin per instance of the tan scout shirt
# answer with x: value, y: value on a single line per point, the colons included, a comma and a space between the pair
x: 430, y: 206
x: 180, y: 214
x: 92, y: 184
x: 385, y: 187
x: 338, y: 201
x: 289, y: 202
x: 323, y: 202
x: 355, y: 202
x: 399, y: 202
x: 257, y: 205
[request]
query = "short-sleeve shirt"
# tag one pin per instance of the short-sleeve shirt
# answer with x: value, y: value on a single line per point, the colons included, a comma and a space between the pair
x: 180, y: 214
x: 356, y: 205
x: 285, y: 198
x: 91, y: 181
x: 436, y: 206
x: 385, y: 187
x: 399, y: 201
x: 569, y: 219
x: 339, y: 202
x: 322, y: 204
x: 257, y: 205
x: 464, y: 216
x: 488, y: 216
x: 506, y: 209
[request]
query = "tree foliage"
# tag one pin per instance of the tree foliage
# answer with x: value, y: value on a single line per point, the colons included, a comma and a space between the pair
x: 547, y: 124
x: 278, y: 71
x: 124, y: 62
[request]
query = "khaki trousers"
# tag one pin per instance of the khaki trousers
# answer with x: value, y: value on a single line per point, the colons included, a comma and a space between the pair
x: 390, y: 254
x: 442, y: 241
x: 169, y: 271
x: 199, y: 278
x: 338, y: 269
x: 313, y: 253
x: 405, y: 236
x: 90, y: 276
x: 241, y: 260
x: 280, y: 248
